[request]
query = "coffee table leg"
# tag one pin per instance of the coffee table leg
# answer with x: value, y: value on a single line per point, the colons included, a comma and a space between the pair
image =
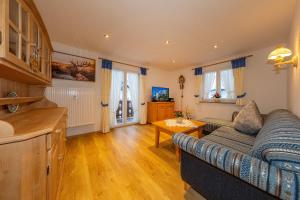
x: 178, y: 153
x: 157, y: 133
x: 200, y: 132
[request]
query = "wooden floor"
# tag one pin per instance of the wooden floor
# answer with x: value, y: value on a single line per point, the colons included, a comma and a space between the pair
x: 123, y: 164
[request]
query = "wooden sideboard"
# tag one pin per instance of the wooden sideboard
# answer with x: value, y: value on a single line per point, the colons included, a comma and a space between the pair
x: 157, y: 111
x: 31, y: 160
x: 32, y: 150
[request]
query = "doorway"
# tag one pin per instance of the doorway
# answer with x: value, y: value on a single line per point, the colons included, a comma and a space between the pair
x: 124, y: 98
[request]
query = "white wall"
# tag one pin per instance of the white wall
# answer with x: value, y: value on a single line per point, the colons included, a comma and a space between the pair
x: 262, y: 84
x: 156, y: 77
x: 294, y: 73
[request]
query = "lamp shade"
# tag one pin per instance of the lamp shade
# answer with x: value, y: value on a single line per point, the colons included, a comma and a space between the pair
x: 279, y: 53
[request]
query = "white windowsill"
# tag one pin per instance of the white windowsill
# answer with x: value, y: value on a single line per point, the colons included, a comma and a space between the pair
x: 221, y: 101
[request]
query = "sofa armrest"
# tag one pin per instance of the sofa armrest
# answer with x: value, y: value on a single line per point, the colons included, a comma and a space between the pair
x: 278, y: 182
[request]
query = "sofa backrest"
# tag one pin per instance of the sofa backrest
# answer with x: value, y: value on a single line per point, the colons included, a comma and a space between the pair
x: 278, y: 142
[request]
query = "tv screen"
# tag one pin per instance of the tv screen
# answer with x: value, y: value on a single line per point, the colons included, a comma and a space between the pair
x: 160, y: 94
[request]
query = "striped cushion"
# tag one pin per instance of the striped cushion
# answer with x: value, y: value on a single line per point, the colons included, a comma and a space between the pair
x: 231, y: 138
x: 280, y: 183
x: 213, y: 124
x: 278, y: 142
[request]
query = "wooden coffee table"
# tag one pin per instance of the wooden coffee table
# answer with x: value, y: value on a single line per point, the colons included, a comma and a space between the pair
x: 161, y: 126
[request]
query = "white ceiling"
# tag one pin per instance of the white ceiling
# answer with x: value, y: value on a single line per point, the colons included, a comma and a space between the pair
x: 139, y: 28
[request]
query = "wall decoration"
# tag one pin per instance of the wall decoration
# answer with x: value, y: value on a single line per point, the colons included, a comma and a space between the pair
x: 72, y: 67
x: 181, y: 81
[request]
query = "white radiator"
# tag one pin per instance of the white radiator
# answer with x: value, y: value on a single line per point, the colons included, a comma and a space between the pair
x: 79, y: 101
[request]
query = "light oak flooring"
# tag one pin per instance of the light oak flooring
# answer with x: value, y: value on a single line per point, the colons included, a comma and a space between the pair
x: 122, y: 165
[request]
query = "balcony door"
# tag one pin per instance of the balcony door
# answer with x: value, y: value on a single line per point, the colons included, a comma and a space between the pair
x: 124, y: 104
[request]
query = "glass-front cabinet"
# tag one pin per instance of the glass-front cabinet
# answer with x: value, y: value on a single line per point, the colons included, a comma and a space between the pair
x: 24, y: 42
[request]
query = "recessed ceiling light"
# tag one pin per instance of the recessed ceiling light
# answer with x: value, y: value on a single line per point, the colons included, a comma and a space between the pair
x: 107, y: 36
x: 215, y: 46
x: 167, y: 42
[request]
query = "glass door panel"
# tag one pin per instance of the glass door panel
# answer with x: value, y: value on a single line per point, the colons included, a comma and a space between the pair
x: 132, y: 97
x: 14, y: 12
x: 24, y: 50
x: 13, y: 41
x: 124, y: 100
x: 116, y: 99
x: 24, y: 23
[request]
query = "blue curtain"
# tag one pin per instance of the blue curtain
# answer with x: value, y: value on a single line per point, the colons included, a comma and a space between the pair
x: 143, y: 71
x: 237, y: 63
x: 198, y: 71
x: 106, y: 64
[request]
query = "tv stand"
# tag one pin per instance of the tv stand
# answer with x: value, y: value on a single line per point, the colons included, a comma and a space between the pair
x: 160, y: 111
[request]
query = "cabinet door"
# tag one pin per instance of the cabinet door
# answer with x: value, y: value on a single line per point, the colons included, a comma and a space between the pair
x: 53, y: 168
x: 23, y: 169
x: 56, y: 157
x: 165, y: 111
x: 46, y: 64
x: 162, y: 112
x: 18, y: 33
x: 36, y: 49
x: 54, y: 173
x: 170, y: 111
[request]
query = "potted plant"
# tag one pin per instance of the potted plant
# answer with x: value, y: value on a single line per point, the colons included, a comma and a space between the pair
x: 179, y: 116
x: 217, y: 96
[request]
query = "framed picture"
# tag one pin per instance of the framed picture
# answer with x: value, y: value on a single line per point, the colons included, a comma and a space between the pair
x: 72, y: 67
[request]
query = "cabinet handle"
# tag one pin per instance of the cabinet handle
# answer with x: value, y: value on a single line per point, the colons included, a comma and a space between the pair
x: 48, y: 170
x: 57, y: 130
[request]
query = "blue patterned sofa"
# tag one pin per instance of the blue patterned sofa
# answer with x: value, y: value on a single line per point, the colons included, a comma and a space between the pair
x: 228, y: 164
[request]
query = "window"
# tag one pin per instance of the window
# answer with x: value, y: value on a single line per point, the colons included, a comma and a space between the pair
x: 219, y: 82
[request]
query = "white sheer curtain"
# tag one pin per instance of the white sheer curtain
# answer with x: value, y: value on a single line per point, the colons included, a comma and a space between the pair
x: 227, y: 84
x: 116, y: 94
x: 106, y: 73
x: 133, y: 93
x: 210, y: 84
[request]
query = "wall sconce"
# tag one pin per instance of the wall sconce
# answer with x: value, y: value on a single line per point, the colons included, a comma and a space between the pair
x: 278, y: 58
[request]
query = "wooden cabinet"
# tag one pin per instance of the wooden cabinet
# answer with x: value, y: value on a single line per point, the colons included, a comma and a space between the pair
x: 31, y: 167
x: 25, y: 48
x: 157, y: 111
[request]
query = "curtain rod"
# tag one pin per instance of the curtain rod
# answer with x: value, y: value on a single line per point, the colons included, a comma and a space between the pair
x: 124, y: 63
x: 69, y: 54
x: 224, y: 61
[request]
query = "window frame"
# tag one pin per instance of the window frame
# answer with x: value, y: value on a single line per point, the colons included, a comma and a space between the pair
x: 217, y: 70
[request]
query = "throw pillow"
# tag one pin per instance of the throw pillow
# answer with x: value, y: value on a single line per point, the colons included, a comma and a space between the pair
x: 249, y: 120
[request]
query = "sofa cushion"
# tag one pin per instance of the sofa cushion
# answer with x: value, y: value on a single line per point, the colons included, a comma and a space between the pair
x: 231, y: 138
x: 248, y: 120
x: 278, y: 142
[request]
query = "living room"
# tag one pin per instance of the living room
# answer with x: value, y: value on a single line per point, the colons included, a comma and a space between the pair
x: 212, y: 99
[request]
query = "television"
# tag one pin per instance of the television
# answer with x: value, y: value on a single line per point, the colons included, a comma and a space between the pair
x: 160, y: 94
